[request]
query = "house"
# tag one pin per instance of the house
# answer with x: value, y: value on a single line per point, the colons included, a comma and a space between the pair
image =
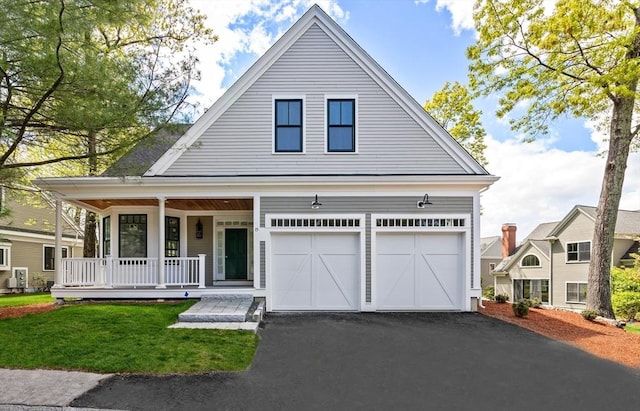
x: 490, y: 257
x: 27, y: 239
x: 552, y: 263
x: 315, y: 182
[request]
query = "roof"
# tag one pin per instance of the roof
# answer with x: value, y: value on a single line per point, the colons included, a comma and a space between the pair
x: 627, y: 223
x: 634, y: 249
x: 142, y: 156
x: 316, y: 16
x: 486, y: 243
x: 33, y: 212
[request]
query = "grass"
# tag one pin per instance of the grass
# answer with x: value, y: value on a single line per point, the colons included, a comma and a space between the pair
x: 121, y: 338
x: 15, y: 300
x: 633, y: 328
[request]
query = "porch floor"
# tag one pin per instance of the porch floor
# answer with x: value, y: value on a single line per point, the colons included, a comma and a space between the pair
x: 236, y: 311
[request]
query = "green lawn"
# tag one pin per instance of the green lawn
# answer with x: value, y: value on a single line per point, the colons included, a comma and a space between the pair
x: 14, y: 300
x: 121, y: 338
x: 633, y: 328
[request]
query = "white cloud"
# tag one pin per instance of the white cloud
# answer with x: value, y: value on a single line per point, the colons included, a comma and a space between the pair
x: 540, y: 184
x: 461, y: 13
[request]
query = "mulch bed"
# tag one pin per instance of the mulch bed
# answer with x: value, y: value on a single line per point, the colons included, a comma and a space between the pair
x: 21, y: 311
x: 596, y: 337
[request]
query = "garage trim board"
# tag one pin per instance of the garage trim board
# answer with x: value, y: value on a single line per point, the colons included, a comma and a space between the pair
x: 420, y: 262
x: 316, y: 262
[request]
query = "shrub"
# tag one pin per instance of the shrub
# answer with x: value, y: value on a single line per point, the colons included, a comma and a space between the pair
x: 528, y: 302
x: 536, y: 302
x: 520, y: 309
x: 626, y: 303
x: 502, y: 298
x: 589, y: 315
x: 489, y: 293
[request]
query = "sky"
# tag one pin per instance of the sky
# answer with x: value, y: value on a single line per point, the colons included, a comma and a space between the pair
x: 421, y: 44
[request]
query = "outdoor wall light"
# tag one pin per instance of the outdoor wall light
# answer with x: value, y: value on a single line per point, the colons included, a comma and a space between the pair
x: 425, y: 201
x: 199, y: 229
x: 316, y: 204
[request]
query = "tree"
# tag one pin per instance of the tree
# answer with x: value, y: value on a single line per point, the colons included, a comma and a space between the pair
x: 582, y: 59
x: 452, y: 107
x: 83, y: 80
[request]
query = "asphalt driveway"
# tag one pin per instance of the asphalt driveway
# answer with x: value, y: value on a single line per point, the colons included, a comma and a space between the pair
x: 403, y: 361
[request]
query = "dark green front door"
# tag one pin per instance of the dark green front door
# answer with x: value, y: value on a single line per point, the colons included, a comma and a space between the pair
x: 235, y: 247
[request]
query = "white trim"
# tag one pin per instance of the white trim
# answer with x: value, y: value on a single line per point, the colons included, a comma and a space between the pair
x: 465, y: 283
x: 302, y: 97
x: 315, y: 15
x: 361, y: 230
x: 217, y: 226
x: 325, y: 124
x: 529, y: 266
x: 5, y: 250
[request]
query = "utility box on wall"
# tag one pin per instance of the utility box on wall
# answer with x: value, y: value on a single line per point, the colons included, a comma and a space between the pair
x: 21, y: 275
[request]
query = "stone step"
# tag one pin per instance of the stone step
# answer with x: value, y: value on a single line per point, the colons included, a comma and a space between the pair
x: 218, y: 310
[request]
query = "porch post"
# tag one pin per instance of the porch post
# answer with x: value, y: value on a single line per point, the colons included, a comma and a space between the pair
x: 58, y: 245
x: 201, y: 270
x: 161, y: 236
x: 256, y: 242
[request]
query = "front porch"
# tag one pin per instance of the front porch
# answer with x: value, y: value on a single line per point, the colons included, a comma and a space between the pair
x: 110, y: 277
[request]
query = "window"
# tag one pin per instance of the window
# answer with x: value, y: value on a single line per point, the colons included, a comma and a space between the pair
x: 5, y: 257
x: 530, y: 261
x: 529, y: 289
x: 576, y: 293
x: 579, y: 251
x: 288, y: 132
x: 106, y: 236
x: 341, y: 125
x: 133, y: 235
x: 172, y: 237
x: 49, y: 254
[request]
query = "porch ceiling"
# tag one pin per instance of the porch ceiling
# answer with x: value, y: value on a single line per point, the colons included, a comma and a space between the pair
x: 201, y: 204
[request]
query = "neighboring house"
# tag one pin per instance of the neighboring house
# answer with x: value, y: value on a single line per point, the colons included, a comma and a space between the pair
x: 315, y: 182
x: 27, y: 240
x: 552, y: 263
x: 490, y: 257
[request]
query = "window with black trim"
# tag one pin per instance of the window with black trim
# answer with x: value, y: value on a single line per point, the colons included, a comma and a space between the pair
x: 288, y: 132
x: 341, y: 125
x: 106, y: 236
x: 49, y: 257
x: 530, y: 261
x: 576, y: 293
x: 132, y: 236
x: 579, y: 251
x: 172, y: 237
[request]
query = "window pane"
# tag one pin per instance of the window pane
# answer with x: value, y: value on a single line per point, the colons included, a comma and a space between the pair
x: 582, y: 297
x: 584, y: 251
x: 295, y: 111
x: 517, y: 290
x: 341, y: 139
x: 334, y: 112
x: 346, y: 113
x: 544, y: 291
x: 133, y: 235
x: 282, y: 113
x: 289, y: 139
x: 572, y: 292
x: 49, y: 258
x: 2, y: 259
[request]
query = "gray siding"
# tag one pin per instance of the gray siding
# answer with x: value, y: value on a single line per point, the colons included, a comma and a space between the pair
x: 203, y: 245
x: 367, y: 206
x: 263, y: 266
x: 389, y: 140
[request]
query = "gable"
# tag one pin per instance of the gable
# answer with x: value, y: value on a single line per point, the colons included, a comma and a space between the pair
x: 314, y: 61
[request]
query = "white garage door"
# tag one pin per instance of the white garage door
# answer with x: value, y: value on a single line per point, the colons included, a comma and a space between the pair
x: 419, y: 271
x: 315, y: 271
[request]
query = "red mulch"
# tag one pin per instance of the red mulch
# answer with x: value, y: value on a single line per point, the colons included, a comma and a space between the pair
x: 21, y: 311
x: 596, y: 337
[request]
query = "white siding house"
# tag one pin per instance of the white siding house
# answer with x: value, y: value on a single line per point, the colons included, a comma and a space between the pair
x: 315, y: 182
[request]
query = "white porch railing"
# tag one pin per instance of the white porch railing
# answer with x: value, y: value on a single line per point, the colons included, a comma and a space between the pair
x: 132, y: 272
